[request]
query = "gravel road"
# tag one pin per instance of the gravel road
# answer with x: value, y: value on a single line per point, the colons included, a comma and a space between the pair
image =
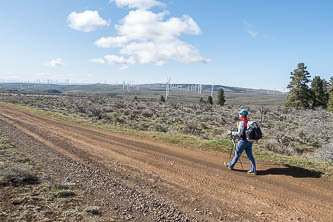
x: 142, y: 180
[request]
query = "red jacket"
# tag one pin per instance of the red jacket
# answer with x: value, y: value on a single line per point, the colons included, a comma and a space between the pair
x: 242, y: 127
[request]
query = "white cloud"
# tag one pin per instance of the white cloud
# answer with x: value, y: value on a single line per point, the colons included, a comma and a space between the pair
x: 147, y: 25
x: 250, y: 29
x: 86, y: 21
x: 54, y: 63
x: 114, y: 59
x: 97, y: 60
x: 108, y: 42
x: 149, y: 38
x: 158, y: 53
x: 140, y: 4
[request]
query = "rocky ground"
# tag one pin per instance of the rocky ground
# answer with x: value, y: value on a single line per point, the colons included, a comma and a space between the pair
x: 29, y: 193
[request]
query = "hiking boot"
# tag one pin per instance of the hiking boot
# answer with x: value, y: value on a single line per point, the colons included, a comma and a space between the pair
x: 252, y: 172
x: 227, y: 165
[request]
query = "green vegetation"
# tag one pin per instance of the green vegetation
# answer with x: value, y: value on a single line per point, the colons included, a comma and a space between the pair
x: 319, y: 92
x: 190, y: 142
x: 202, y: 101
x: 219, y: 145
x: 4, y: 143
x: 299, y: 93
x: 60, y: 191
x: 330, y: 94
x: 310, y: 164
x: 162, y: 99
x: 210, y: 100
x: 63, y: 193
x: 16, y: 175
x: 220, y: 99
x: 301, y: 96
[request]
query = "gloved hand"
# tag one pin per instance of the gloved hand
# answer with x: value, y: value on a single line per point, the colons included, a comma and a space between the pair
x: 229, y: 132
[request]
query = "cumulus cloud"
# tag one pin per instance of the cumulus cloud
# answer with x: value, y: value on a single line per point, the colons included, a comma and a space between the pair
x: 149, y: 38
x: 86, y: 21
x: 250, y: 29
x: 54, y: 63
x: 140, y: 4
x: 108, y: 42
x: 114, y: 59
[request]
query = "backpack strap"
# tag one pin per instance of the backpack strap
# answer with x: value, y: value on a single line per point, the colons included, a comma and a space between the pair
x: 243, y: 134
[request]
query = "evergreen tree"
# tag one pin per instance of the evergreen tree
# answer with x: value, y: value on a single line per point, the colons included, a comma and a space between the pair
x: 162, y: 99
x: 210, y: 100
x: 220, y: 99
x: 299, y: 95
x: 330, y: 85
x: 319, y: 92
x: 330, y: 93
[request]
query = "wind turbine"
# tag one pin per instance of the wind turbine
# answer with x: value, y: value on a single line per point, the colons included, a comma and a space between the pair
x: 167, y: 88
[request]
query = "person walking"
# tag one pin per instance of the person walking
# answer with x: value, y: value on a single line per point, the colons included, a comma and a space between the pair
x: 243, y: 143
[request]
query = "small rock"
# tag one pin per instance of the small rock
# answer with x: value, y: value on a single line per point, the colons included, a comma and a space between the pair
x: 93, y: 210
x: 17, y: 201
x: 260, y: 213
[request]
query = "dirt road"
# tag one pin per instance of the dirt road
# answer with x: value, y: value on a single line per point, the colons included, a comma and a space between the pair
x: 149, y: 181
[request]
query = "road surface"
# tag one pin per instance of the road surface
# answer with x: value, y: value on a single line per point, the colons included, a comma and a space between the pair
x: 149, y: 181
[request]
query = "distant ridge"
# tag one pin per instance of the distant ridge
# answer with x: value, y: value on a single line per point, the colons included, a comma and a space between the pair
x: 97, y: 87
x: 216, y: 88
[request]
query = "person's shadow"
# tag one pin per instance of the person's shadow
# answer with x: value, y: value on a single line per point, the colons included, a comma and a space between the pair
x: 293, y: 171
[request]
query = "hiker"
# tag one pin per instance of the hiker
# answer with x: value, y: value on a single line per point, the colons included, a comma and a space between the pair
x: 243, y: 143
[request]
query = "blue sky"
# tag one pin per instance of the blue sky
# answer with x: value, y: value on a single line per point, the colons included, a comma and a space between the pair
x: 254, y: 44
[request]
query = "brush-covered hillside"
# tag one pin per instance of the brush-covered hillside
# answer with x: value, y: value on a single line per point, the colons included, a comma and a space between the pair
x: 187, y: 93
x: 286, y: 131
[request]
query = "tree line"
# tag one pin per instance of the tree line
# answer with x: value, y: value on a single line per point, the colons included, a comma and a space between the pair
x: 301, y: 95
x: 220, y: 99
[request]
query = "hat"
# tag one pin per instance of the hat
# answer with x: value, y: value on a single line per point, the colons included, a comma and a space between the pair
x: 243, y: 112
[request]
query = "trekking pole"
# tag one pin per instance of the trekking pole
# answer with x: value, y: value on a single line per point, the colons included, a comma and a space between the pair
x: 234, y: 146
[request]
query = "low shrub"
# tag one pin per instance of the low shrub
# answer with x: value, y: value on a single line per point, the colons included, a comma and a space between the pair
x: 16, y: 175
x: 325, y: 153
x: 286, y: 131
x: 64, y: 193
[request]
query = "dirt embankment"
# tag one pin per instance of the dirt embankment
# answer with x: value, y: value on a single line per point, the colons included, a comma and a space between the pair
x: 147, y: 181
